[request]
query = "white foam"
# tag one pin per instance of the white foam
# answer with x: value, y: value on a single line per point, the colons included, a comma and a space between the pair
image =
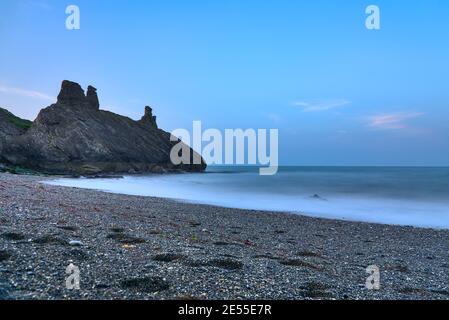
x: 218, y: 190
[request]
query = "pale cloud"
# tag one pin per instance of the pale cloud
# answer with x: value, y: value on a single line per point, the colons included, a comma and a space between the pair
x: 26, y: 93
x: 392, y: 121
x: 318, y: 106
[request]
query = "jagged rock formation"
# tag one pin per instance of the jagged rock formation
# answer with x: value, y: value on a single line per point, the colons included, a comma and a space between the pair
x: 148, y: 117
x: 73, y: 136
x: 92, y: 97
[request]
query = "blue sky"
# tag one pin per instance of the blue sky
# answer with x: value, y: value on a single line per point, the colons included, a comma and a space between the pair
x: 340, y: 94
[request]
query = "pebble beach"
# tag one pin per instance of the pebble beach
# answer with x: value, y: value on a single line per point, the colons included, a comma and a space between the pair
x: 132, y: 247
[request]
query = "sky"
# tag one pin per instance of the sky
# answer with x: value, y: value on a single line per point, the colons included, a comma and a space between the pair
x: 339, y: 94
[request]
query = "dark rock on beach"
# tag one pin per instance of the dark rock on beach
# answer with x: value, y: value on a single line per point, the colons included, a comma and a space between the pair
x: 73, y: 136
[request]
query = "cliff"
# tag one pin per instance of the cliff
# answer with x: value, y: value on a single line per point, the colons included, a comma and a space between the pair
x: 73, y: 136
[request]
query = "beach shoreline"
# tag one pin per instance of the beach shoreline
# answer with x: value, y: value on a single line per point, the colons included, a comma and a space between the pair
x: 134, y: 247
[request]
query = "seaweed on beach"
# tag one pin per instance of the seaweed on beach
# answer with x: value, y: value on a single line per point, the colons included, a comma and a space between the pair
x: 126, y: 239
x: 307, y: 253
x: 68, y: 228
x: 168, y: 257
x: 397, y: 267
x: 78, y: 255
x: 315, y: 290
x: 146, y: 284
x: 13, y: 236
x: 301, y: 263
x: 228, y: 264
x: 4, y: 255
x: 222, y: 243
x: 413, y: 291
x: 49, y: 239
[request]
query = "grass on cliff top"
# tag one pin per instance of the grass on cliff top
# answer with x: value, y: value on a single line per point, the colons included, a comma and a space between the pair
x: 18, y: 122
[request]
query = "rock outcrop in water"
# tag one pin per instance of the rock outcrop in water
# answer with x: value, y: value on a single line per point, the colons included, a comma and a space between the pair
x: 73, y: 136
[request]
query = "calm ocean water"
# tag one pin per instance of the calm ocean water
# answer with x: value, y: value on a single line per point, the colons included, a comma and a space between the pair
x: 392, y: 195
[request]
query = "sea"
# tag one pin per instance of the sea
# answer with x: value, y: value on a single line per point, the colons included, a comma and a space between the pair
x: 408, y: 196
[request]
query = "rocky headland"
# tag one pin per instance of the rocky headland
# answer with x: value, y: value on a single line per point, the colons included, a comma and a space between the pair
x: 73, y: 136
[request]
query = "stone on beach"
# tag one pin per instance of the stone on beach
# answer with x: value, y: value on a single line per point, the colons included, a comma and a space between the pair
x: 76, y: 243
